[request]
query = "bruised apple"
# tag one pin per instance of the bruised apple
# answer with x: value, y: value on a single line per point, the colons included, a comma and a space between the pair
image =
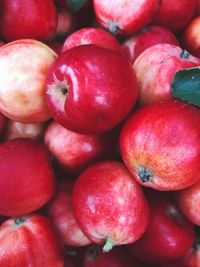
x: 29, y: 240
x: 160, y: 145
x: 87, y: 95
x: 27, y: 180
x: 23, y: 66
x: 109, y: 205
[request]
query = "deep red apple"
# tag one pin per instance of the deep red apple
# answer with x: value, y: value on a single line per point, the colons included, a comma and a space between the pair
x: 117, y: 257
x: 109, y: 205
x: 175, y: 15
x: 85, y: 94
x: 29, y: 241
x: 169, y: 235
x: 28, y: 19
x: 123, y: 16
x: 188, y: 201
x: 160, y: 145
x: 147, y: 37
x: 61, y: 214
x: 91, y: 36
x: 27, y: 179
x: 159, y: 63
x: 74, y: 152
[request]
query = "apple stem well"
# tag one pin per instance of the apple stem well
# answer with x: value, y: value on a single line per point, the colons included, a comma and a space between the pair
x: 185, y: 54
x: 19, y: 220
x: 109, y: 244
x: 114, y: 28
x: 144, y: 174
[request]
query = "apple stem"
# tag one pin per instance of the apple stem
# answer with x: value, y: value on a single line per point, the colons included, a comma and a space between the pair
x: 19, y: 220
x: 185, y: 54
x: 109, y: 244
x: 144, y: 174
x: 114, y: 28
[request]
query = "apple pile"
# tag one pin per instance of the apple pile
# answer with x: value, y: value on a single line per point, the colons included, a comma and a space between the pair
x: 99, y: 133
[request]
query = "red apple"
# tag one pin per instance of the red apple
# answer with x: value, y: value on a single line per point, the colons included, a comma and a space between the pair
x: 123, y: 16
x: 169, y: 235
x: 85, y: 94
x: 160, y: 145
x: 23, y: 66
x: 188, y: 201
x: 74, y: 152
x: 29, y: 241
x: 147, y: 37
x: 15, y: 129
x: 61, y: 214
x: 160, y: 63
x: 21, y: 19
x: 175, y: 15
x: 27, y: 179
x: 109, y: 205
x: 190, y: 37
x: 117, y: 257
x: 91, y: 36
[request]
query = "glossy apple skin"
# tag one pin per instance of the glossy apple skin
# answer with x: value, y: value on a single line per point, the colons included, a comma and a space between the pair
x: 160, y: 63
x: 24, y: 65
x: 27, y: 181
x: 190, y: 38
x: 160, y: 145
x: 61, y: 214
x: 91, y: 36
x: 87, y: 95
x: 147, y: 37
x: 109, y: 204
x: 123, y: 16
x: 188, y: 201
x: 74, y: 152
x: 117, y: 257
x: 29, y: 240
x: 175, y: 15
x: 28, y: 19
x: 174, y: 233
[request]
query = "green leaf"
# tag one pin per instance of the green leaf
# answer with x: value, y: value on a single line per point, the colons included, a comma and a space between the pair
x: 186, y: 85
x: 75, y: 5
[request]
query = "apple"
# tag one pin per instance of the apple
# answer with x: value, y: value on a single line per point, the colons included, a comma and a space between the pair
x: 175, y: 15
x: 27, y: 181
x: 74, y: 152
x: 125, y: 17
x: 188, y: 201
x: 87, y: 95
x: 32, y: 19
x: 29, y: 240
x: 109, y: 205
x: 61, y: 214
x: 160, y: 64
x: 160, y: 145
x: 23, y: 66
x: 66, y: 23
x: 174, y: 233
x: 15, y: 129
x: 91, y: 36
x: 190, y: 37
x: 147, y: 37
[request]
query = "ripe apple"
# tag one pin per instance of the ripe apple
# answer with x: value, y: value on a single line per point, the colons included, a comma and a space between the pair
x: 174, y: 233
x: 61, y: 214
x: 109, y: 205
x: 87, y: 95
x: 175, y: 15
x: 74, y: 152
x: 29, y: 241
x: 160, y: 145
x: 23, y: 66
x: 32, y: 19
x: 160, y: 63
x: 125, y: 17
x: 27, y: 180
x: 91, y: 36
x: 147, y: 37
x: 188, y: 201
